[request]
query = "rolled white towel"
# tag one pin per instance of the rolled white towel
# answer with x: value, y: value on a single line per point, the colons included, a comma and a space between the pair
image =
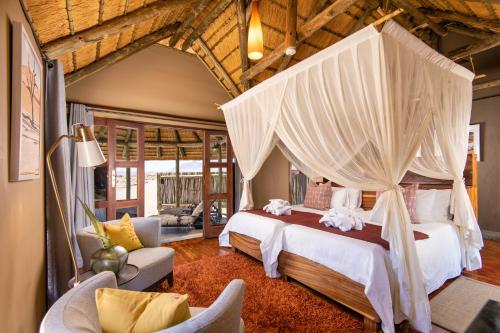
x: 278, y: 207
x: 343, y: 218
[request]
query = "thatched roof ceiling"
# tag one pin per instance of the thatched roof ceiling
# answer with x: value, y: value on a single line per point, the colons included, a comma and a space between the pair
x: 87, y: 35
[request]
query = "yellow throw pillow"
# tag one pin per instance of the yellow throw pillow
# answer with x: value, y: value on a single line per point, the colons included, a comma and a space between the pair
x: 124, y: 311
x: 124, y: 234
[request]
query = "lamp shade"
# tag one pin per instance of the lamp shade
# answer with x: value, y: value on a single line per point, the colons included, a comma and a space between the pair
x: 87, y: 147
x: 255, y: 39
x: 89, y: 153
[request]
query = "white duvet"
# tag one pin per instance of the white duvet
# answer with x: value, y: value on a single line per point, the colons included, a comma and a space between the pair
x: 364, y: 262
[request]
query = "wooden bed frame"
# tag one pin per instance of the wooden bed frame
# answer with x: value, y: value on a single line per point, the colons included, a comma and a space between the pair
x: 328, y: 282
x: 337, y: 286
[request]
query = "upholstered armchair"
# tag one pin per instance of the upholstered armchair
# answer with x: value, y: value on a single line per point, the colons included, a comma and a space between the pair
x: 154, y: 261
x: 76, y: 311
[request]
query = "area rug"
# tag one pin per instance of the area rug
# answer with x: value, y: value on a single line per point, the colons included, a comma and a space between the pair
x: 455, y: 307
x: 270, y: 305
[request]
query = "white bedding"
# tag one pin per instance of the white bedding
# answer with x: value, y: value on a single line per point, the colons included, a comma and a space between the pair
x: 364, y: 262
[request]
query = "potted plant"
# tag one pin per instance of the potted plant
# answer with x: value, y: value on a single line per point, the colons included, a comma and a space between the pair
x: 110, y: 257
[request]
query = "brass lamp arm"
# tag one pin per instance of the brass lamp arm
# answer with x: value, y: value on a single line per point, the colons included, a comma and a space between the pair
x: 64, y: 219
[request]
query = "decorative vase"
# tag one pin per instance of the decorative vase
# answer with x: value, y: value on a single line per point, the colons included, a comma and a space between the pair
x: 111, y: 259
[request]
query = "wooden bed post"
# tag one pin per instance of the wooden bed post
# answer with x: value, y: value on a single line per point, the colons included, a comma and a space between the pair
x: 369, y: 325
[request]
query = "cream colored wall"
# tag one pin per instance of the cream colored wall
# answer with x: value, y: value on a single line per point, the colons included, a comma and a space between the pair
x: 157, y: 79
x: 22, y: 264
x: 272, y: 180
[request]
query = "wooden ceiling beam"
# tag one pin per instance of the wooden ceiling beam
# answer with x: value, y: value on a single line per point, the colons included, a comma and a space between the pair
x: 232, y: 86
x: 319, y: 5
x: 419, y: 16
x: 361, y: 21
x: 291, y: 26
x: 203, y: 26
x: 475, y: 48
x: 195, y: 12
x: 120, y: 54
x: 471, y: 21
x: 182, y: 151
x: 305, y: 31
x: 485, y: 85
x: 242, y: 30
x: 465, y: 31
x: 97, y: 33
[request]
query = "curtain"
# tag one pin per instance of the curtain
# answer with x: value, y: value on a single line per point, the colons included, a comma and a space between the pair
x: 355, y: 113
x: 444, y: 155
x: 364, y: 133
x: 82, y: 179
x: 238, y: 187
x: 252, y: 135
x: 59, y: 266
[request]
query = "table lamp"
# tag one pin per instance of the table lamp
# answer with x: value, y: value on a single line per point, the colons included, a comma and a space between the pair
x: 89, y: 154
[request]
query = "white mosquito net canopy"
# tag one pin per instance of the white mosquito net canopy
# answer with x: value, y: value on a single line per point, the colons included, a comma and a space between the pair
x: 359, y: 113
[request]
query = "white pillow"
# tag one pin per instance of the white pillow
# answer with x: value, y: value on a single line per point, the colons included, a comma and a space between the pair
x: 345, y: 197
x: 338, y: 197
x: 433, y: 205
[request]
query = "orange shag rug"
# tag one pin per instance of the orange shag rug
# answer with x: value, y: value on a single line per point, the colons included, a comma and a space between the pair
x: 271, y: 305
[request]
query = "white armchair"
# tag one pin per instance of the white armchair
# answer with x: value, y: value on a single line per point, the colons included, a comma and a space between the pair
x: 76, y: 311
x: 154, y: 261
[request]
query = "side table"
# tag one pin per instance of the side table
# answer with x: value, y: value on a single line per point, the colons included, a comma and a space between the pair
x: 127, y: 274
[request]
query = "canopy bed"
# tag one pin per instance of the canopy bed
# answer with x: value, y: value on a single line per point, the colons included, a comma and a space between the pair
x: 362, y: 113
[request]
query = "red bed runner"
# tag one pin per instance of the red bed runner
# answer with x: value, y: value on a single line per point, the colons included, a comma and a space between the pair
x: 370, y: 233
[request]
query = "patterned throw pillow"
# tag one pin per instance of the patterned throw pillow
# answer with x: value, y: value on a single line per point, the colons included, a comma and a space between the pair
x: 318, y: 196
x: 410, y: 197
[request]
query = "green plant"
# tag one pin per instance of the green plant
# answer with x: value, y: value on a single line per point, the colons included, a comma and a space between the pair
x: 99, y: 230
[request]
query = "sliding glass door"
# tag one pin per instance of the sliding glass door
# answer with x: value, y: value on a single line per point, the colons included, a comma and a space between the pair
x: 119, y: 185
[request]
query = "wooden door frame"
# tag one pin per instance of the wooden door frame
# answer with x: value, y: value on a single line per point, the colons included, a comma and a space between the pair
x: 111, y: 204
x: 209, y: 230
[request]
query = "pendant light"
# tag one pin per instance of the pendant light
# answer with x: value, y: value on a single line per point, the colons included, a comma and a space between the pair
x: 255, y: 39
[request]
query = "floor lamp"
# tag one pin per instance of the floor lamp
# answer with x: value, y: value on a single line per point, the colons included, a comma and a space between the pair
x: 89, y: 154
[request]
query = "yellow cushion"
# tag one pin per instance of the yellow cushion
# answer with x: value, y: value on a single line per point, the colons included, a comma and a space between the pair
x: 124, y: 234
x: 124, y: 311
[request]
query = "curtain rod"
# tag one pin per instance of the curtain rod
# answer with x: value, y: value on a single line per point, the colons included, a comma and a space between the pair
x: 154, y: 115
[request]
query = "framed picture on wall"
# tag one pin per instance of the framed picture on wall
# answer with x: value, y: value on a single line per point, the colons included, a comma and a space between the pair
x: 474, y: 143
x: 26, y: 107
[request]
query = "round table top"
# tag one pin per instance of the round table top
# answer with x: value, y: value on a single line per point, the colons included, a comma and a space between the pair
x: 127, y: 274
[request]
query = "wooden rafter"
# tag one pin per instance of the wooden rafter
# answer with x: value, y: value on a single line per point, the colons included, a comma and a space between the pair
x: 361, y: 21
x: 319, y: 5
x: 205, y: 24
x: 305, y: 31
x: 121, y: 54
x: 475, y: 48
x: 291, y: 24
x: 182, y: 151
x: 158, y: 139
x: 485, y: 85
x: 195, y: 12
x: 243, y: 45
x: 475, y: 33
x: 419, y: 16
x: 232, y: 86
x: 63, y: 45
x: 471, y: 21
x: 197, y: 136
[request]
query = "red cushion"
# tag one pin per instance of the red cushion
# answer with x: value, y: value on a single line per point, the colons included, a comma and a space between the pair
x: 318, y: 196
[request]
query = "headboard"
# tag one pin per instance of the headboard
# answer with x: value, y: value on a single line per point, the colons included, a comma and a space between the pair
x: 470, y: 178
